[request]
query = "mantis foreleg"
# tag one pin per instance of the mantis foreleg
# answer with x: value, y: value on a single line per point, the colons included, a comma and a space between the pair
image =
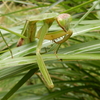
x: 47, y: 79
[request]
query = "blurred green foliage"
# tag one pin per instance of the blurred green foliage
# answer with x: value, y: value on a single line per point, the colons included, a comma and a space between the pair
x: 75, y: 69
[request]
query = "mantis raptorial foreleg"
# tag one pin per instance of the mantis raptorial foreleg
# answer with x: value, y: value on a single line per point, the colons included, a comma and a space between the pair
x: 42, y: 32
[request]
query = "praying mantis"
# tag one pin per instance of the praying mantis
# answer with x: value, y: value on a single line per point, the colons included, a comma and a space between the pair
x: 31, y: 32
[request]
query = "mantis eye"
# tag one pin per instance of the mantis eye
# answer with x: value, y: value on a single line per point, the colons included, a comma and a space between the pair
x: 63, y: 21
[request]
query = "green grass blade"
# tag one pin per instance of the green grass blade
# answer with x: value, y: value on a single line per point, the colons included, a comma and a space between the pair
x: 19, y: 84
x: 66, y: 90
x: 78, y: 6
x: 12, y: 32
x: 47, y: 57
x: 11, y: 71
x: 6, y: 44
x: 86, y: 13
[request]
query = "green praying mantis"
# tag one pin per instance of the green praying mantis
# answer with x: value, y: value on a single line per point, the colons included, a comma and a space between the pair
x: 30, y: 31
x: 63, y: 20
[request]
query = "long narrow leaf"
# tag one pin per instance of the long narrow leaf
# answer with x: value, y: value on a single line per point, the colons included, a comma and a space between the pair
x: 19, y: 84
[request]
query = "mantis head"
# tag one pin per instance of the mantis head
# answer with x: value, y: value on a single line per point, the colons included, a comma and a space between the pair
x: 63, y: 21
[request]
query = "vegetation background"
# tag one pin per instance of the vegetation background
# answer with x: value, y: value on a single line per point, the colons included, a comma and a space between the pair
x: 76, y: 77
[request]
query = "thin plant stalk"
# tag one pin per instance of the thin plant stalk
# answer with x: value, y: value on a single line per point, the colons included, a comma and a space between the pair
x: 6, y: 44
x: 86, y: 14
